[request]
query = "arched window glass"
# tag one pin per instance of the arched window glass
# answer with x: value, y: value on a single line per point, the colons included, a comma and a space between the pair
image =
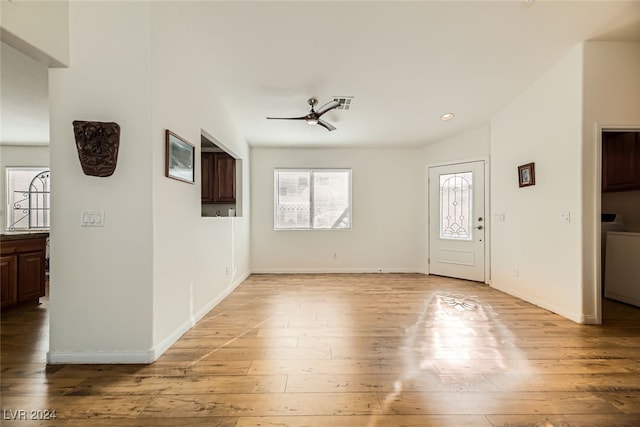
x: 455, y: 206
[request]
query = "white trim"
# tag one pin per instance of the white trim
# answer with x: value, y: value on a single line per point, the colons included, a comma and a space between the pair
x: 382, y: 270
x: 459, y: 161
x: 149, y: 356
x: 576, y: 317
x: 98, y: 357
x: 597, y: 176
x: 590, y: 320
x: 596, y: 318
x: 163, y: 346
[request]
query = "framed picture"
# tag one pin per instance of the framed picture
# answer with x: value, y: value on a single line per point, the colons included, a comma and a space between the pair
x: 526, y: 175
x: 180, y: 158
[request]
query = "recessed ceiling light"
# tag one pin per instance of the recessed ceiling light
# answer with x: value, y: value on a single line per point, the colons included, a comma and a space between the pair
x: 447, y: 116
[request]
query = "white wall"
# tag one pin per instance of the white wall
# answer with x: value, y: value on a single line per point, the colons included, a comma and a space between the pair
x: 542, y: 125
x: 197, y: 260
x: 38, y: 29
x: 14, y: 155
x: 24, y: 99
x: 472, y: 144
x: 388, y: 211
x: 101, y: 278
x: 157, y: 265
x: 611, y: 99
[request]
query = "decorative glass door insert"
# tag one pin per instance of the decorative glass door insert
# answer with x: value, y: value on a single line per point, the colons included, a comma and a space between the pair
x: 456, y: 210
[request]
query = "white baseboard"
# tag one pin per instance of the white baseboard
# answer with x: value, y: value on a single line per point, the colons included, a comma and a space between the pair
x: 334, y: 270
x: 142, y: 357
x: 578, y: 318
x: 98, y: 357
x: 590, y: 320
x: 158, y: 350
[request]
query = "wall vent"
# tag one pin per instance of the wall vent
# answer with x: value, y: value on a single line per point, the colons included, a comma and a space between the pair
x: 345, y: 102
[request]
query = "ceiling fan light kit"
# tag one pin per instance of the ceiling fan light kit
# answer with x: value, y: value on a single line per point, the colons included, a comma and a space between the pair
x: 313, y: 118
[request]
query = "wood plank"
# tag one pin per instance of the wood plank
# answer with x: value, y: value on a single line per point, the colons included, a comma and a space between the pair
x: 592, y: 420
x: 369, y: 421
x: 346, y: 350
x: 273, y: 404
x: 497, y: 403
x: 610, y: 382
x: 348, y: 383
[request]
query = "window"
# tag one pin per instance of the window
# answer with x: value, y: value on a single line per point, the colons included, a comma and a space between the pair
x: 455, y: 206
x: 28, y: 201
x: 312, y: 199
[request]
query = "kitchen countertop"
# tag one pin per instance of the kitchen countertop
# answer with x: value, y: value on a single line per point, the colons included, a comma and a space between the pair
x: 21, y: 236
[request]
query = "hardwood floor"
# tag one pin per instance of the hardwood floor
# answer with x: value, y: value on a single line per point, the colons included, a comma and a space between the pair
x: 345, y: 350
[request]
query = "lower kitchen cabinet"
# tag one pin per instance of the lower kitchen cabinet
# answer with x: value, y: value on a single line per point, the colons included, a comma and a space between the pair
x: 22, y: 268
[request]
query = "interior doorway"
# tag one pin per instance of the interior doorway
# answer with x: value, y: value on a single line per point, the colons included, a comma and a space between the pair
x: 619, y: 219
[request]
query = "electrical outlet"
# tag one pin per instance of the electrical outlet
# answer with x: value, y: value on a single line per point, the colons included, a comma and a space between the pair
x: 335, y: 255
x: 516, y: 272
x: 565, y: 216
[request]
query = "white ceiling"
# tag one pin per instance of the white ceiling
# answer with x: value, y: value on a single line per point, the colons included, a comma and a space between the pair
x: 405, y: 63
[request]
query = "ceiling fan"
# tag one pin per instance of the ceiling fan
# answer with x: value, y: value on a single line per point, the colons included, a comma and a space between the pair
x: 313, y: 118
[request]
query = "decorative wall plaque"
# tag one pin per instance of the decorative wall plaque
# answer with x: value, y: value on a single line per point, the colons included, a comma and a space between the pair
x: 97, y: 144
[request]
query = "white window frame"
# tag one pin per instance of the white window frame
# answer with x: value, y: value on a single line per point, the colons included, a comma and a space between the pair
x: 11, y: 200
x: 311, y: 171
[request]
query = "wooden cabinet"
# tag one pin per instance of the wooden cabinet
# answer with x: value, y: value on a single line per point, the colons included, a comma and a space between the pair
x: 218, y: 178
x: 207, y: 177
x: 9, y: 280
x: 22, y: 268
x: 620, y: 161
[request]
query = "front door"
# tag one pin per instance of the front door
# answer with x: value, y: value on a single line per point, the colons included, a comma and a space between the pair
x: 457, y: 221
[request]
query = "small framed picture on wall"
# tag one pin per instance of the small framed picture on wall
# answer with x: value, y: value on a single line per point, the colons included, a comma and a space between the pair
x: 180, y: 158
x: 526, y: 175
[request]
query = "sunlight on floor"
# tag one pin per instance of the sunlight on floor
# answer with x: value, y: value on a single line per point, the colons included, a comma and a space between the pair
x: 452, y: 334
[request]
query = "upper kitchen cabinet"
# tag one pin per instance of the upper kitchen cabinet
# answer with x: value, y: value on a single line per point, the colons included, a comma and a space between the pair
x: 218, y: 178
x: 620, y: 161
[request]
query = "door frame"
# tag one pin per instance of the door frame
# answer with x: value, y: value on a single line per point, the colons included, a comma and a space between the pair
x: 487, y: 211
x: 597, y: 177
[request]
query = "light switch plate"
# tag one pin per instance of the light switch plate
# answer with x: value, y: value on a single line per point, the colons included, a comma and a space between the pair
x: 92, y: 219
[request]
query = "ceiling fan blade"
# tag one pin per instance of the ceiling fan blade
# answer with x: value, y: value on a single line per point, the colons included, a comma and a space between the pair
x: 327, y: 107
x: 287, y: 118
x: 326, y: 125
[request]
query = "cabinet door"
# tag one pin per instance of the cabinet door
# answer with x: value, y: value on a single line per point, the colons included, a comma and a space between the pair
x: 31, y: 276
x: 207, y: 165
x: 620, y: 161
x: 9, y: 280
x: 224, y: 185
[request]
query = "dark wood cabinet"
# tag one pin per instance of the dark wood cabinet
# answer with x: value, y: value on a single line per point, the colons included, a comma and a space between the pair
x: 22, y: 268
x: 31, y: 276
x: 207, y: 177
x: 9, y: 280
x: 620, y: 161
x: 218, y: 178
